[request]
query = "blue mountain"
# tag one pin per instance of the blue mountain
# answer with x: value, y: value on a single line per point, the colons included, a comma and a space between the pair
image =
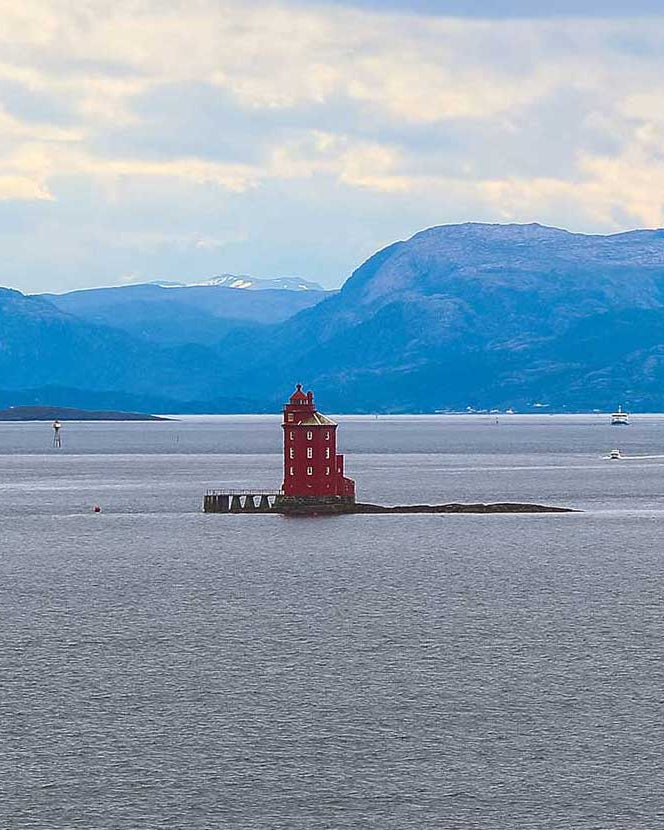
x: 459, y: 315
x: 489, y: 316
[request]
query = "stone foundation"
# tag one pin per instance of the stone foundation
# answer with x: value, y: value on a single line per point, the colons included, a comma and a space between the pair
x: 314, y: 506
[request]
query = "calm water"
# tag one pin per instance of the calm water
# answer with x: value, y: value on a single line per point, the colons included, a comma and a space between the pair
x: 165, y: 669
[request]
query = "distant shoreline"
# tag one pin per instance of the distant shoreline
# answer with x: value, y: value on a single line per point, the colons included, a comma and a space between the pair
x: 51, y: 413
x: 63, y: 413
x: 485, y: 416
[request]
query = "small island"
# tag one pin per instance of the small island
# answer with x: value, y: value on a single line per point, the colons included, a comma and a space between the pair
x: 455, y: 507
x: 63, y: 413
x: 314, y: 480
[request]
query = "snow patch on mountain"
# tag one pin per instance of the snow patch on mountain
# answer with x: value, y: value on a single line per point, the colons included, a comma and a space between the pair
x: 248, y: 283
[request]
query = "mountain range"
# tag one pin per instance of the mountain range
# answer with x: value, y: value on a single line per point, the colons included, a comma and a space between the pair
x: 202, y: 313
x: 458, y: 316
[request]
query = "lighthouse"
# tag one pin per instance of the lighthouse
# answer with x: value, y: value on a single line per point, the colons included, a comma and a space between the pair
x: 313, y: 471
x: 314, y: 481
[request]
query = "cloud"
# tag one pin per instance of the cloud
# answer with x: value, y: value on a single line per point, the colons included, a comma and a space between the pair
x: 22, y: 188
x: 241, y: 127
x: 505, y: 9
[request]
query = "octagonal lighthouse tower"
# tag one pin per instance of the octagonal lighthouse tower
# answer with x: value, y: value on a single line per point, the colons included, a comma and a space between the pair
x: 313, y: 472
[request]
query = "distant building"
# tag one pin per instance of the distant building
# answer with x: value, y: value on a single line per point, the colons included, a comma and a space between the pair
x: 312, y: 469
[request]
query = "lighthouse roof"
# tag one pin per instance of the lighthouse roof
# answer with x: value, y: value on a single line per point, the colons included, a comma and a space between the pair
x: 298, y: 396
x: 318, y: 420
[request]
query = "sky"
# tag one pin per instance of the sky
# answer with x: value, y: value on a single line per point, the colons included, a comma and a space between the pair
x: 180, y: 139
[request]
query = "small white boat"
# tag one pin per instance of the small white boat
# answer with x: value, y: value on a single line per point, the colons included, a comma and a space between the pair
x: 615, y: 455
x: 619, y: 418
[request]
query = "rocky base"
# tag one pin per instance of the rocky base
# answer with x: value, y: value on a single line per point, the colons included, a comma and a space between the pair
x: 306, y: 506
x: 357, y: 508
x: 346, y: 505
x: 499, y: 507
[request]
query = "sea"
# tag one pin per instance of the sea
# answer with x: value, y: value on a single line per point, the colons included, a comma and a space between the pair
x: 163, y: 668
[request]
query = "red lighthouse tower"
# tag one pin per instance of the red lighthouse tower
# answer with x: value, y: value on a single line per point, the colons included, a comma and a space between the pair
x: 313, y: 472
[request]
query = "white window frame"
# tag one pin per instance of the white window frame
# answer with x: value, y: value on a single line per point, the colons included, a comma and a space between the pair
x: 310, y: 435
x: 310, y: 452
x: 310, y: 471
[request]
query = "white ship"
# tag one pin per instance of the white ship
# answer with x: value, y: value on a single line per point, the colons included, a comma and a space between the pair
x: 619, y: 418
x: 614, y: 455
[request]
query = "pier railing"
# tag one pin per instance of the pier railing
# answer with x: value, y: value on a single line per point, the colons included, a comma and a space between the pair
x: 226, y: 492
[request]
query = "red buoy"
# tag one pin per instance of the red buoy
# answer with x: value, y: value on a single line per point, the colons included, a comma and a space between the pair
x: 96, y: 509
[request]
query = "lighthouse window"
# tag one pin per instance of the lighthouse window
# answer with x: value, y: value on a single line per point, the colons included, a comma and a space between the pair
x: 310, y: 471
x: 290, y: 416
x: 292, y: 471
x: 327, y: 436
x: 291, y: 436
x: 310, y: 435
x: 292, y: 453
x: 310, y: 452
x: 327, y: 471
x: 327, y: 453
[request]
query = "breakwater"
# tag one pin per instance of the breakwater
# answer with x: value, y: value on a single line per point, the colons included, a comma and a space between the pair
x: 269, y: 502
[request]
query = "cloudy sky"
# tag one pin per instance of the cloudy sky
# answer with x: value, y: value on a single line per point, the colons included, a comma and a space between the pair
x: 178, y: 139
